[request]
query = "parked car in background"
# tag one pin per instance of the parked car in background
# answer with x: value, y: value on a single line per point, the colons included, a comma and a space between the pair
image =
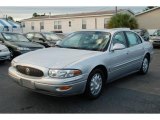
x: 143, y: 33
x: 61, y: 35
x: 18, y: 43
x: 48, y: 39
x: 83, y: 62
x: 4, y: 53
x: 155, y: 38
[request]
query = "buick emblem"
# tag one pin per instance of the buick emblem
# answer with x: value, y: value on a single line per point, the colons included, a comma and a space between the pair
x: 27, y: 71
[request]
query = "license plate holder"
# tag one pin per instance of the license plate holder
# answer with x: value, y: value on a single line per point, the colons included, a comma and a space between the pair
x: 27, y: 84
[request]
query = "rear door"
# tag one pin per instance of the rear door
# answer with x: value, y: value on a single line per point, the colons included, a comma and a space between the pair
x: 136, y: 50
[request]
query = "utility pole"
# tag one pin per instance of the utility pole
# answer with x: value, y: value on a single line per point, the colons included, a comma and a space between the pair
x: 116, y: 9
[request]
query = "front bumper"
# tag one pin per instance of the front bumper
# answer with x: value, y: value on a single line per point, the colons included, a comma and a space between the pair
x: 50, y: 86
x: 156, y: 43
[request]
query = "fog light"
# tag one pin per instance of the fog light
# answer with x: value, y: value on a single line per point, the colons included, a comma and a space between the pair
x: 64, y: 88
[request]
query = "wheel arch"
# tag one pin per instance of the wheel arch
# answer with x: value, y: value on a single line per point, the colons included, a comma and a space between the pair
x: 104, y: 69
x: 148, y: 56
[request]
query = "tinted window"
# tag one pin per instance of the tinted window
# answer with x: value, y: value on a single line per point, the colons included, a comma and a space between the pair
x: 119, y: 38
x: 37, y: 35
x: 157, y: 33
x: 132, y: 38
x: 15, y: 37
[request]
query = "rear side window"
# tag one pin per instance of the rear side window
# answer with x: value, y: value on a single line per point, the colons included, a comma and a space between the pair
x: 133, y: 39
x: 37, y: 35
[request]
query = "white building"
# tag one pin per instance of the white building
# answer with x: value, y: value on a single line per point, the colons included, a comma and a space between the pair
x: 70, y: 22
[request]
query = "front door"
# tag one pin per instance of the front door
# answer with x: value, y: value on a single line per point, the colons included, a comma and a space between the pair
x: 118, y: 63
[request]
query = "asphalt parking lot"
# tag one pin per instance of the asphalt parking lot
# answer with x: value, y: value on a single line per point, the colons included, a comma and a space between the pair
x: 133, y: 94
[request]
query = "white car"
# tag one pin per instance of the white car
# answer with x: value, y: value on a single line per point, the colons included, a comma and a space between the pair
x: 4, y: 53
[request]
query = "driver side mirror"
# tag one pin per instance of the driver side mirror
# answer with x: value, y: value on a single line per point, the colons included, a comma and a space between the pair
x: 117, y: 46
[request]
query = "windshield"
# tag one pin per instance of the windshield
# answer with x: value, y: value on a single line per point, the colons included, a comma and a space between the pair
x: 87, y: 40
x: 50, y: 36
x: 15, y: 37
x: 157, y: 33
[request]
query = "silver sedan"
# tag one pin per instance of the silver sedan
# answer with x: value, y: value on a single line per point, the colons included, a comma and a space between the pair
x: 83, y: 62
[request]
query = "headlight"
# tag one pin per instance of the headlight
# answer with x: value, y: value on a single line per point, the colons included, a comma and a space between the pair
x: 64, y: 73
x: 4, y: 50
x: 22, y: 48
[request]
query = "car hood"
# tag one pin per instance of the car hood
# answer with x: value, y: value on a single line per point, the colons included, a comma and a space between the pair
x: 26, y: 44
x: 54, y: 57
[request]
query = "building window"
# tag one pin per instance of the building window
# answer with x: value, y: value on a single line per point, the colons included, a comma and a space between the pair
x: 57, y: 25
x: 84, y: 24
x: 69, y: 23
x: 105, y: 22
x: 32, y: 25
x: 41, y: 25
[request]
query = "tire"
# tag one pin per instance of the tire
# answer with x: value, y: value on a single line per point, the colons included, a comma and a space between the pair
x: 144, y: 66
x: 95, y: 84
x: 11, y: 54
x: 2, y: 61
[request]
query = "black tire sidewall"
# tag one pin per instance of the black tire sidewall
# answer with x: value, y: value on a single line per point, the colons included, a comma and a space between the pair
x: 141, y: 70
x: 87, y: 90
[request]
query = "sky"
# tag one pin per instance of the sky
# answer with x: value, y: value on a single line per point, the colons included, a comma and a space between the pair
x: 19, y: 13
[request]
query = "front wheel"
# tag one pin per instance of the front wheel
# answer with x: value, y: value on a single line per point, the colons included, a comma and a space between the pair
x: 11, y: 54
x: 95, y: 84
x: 145, y: 66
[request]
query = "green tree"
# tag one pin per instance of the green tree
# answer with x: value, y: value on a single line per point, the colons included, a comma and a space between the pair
x: 123, y: 20
x: 10, y: 18
x: 35, y: 14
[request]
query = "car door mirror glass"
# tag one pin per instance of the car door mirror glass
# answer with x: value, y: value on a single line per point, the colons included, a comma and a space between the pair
x: 117, y: 46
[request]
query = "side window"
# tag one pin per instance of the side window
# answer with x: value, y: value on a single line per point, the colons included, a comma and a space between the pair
x: 138, y: 39
x: 132, y: 39
x: 158, y: 32
x: 29, y: 36
x: 119, y: 38
x: 37, y: 35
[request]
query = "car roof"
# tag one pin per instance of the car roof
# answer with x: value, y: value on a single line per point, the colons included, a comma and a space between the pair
x: 12, y: 33
x: 40, y: 32
x: 112, y: 31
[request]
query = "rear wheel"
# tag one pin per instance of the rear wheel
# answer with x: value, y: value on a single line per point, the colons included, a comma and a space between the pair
x: 95, y: 84
x: 145, y: 65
